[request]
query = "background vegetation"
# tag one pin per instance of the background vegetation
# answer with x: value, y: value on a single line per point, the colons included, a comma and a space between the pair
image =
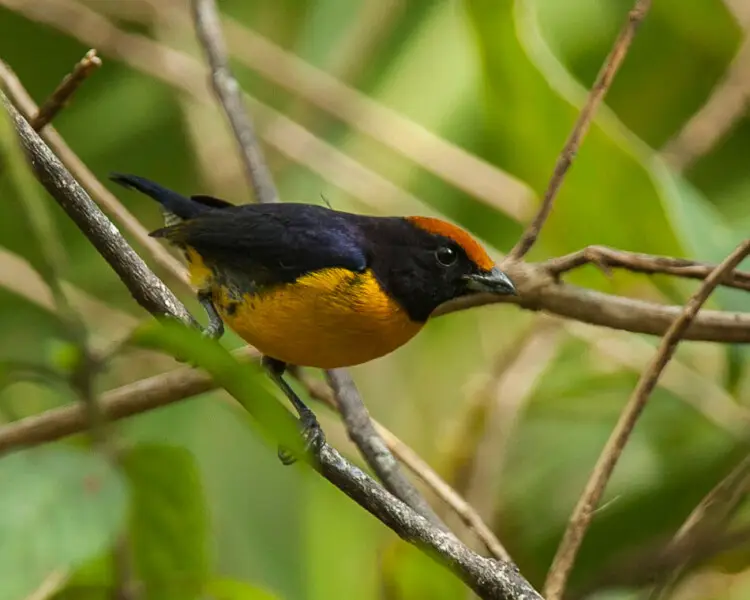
x: 510, y: 407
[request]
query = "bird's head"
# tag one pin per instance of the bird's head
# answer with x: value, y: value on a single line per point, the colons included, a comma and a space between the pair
x: 431, y: 261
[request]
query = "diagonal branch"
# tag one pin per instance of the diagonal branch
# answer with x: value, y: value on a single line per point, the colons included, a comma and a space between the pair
x: 348, y: 399
x: 229, y: 94
x: 596, y: 95
x: 487, y: 577
x: 372, y: 446
x: 584, y: 510
x: 146, y: 288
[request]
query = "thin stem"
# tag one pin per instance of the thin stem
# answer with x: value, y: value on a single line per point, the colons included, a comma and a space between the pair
x: 64, y: 92
x: 228, y: 92
x: 596, y: 95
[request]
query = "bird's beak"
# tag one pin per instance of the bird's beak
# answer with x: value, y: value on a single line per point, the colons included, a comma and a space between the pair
x: 494, y: 282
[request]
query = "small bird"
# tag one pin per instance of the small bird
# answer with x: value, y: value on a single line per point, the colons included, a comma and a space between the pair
x: 316, y: 287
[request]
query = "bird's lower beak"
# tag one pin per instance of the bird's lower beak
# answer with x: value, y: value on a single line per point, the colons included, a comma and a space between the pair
x: 494, y: 282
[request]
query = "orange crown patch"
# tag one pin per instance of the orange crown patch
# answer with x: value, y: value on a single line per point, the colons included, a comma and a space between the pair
x: 473, y: 249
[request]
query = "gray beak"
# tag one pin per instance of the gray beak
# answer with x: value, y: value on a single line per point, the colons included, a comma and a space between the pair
x: 493, y: 282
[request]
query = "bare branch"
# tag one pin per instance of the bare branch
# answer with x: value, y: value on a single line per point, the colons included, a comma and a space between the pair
x: 538, y: 290
x: 583, y: 512
x: 596, y: 95
x: 64, y: 92
x: 604, y: 258
x: 372, y: 446
x: 230, y: 97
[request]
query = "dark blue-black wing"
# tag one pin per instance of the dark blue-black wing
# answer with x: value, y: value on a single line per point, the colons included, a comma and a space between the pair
x: 273, y: 243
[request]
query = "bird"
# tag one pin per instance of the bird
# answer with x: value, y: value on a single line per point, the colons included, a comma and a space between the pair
x: 310, y: 286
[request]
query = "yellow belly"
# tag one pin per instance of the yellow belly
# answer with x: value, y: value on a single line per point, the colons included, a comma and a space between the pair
x: 328, y: 319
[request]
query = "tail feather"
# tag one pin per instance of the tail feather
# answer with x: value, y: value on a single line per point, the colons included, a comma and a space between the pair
x: 172, y: 202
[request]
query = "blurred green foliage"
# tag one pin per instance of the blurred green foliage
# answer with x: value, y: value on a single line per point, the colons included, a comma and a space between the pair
x: 208, y: 501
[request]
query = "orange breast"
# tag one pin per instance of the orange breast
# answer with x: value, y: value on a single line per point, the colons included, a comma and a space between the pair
x: 328, y: 319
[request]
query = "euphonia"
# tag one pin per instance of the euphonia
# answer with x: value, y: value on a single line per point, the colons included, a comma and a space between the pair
x: 311, y: 286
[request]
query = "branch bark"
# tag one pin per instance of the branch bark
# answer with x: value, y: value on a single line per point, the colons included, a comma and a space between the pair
x: 372, y: 446
x: 145, y: 287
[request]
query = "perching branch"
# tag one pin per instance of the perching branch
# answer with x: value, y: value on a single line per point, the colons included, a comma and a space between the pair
x: 596, y: 95
x: 584, y: 510
x: 145, y: 287
x: 100, y: 194
x: 349, y: 401
x: 488, y: 578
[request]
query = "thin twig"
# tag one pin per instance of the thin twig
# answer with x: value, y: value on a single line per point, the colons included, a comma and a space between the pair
x: 350, y: 402
x: 596, y: 95
x: 229, y: 94
x: 64, y: 92
x: 489, y: 578
x: 583, y: 512
x: 605, y: 258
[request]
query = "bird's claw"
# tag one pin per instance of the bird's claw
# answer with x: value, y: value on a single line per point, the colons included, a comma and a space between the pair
x: 314, y: 438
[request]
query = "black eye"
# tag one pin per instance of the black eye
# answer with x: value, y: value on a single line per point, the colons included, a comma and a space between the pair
x: 446, y: 256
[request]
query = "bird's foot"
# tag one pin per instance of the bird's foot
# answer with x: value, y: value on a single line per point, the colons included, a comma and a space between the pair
x: 313, y: 435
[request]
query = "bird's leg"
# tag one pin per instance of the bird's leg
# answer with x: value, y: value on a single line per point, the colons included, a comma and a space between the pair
x: 311, y: 429
x: 215, y: 328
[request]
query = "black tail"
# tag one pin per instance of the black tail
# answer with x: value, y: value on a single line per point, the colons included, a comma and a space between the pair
x: 175, y: 203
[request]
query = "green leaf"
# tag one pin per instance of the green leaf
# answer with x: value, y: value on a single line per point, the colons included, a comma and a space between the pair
x: 228, y: 589
x: 245, y: 381
x: 168, y: 523
x: 58, y: 508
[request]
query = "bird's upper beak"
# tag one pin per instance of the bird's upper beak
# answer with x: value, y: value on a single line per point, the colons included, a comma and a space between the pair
x: 494, y: 282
